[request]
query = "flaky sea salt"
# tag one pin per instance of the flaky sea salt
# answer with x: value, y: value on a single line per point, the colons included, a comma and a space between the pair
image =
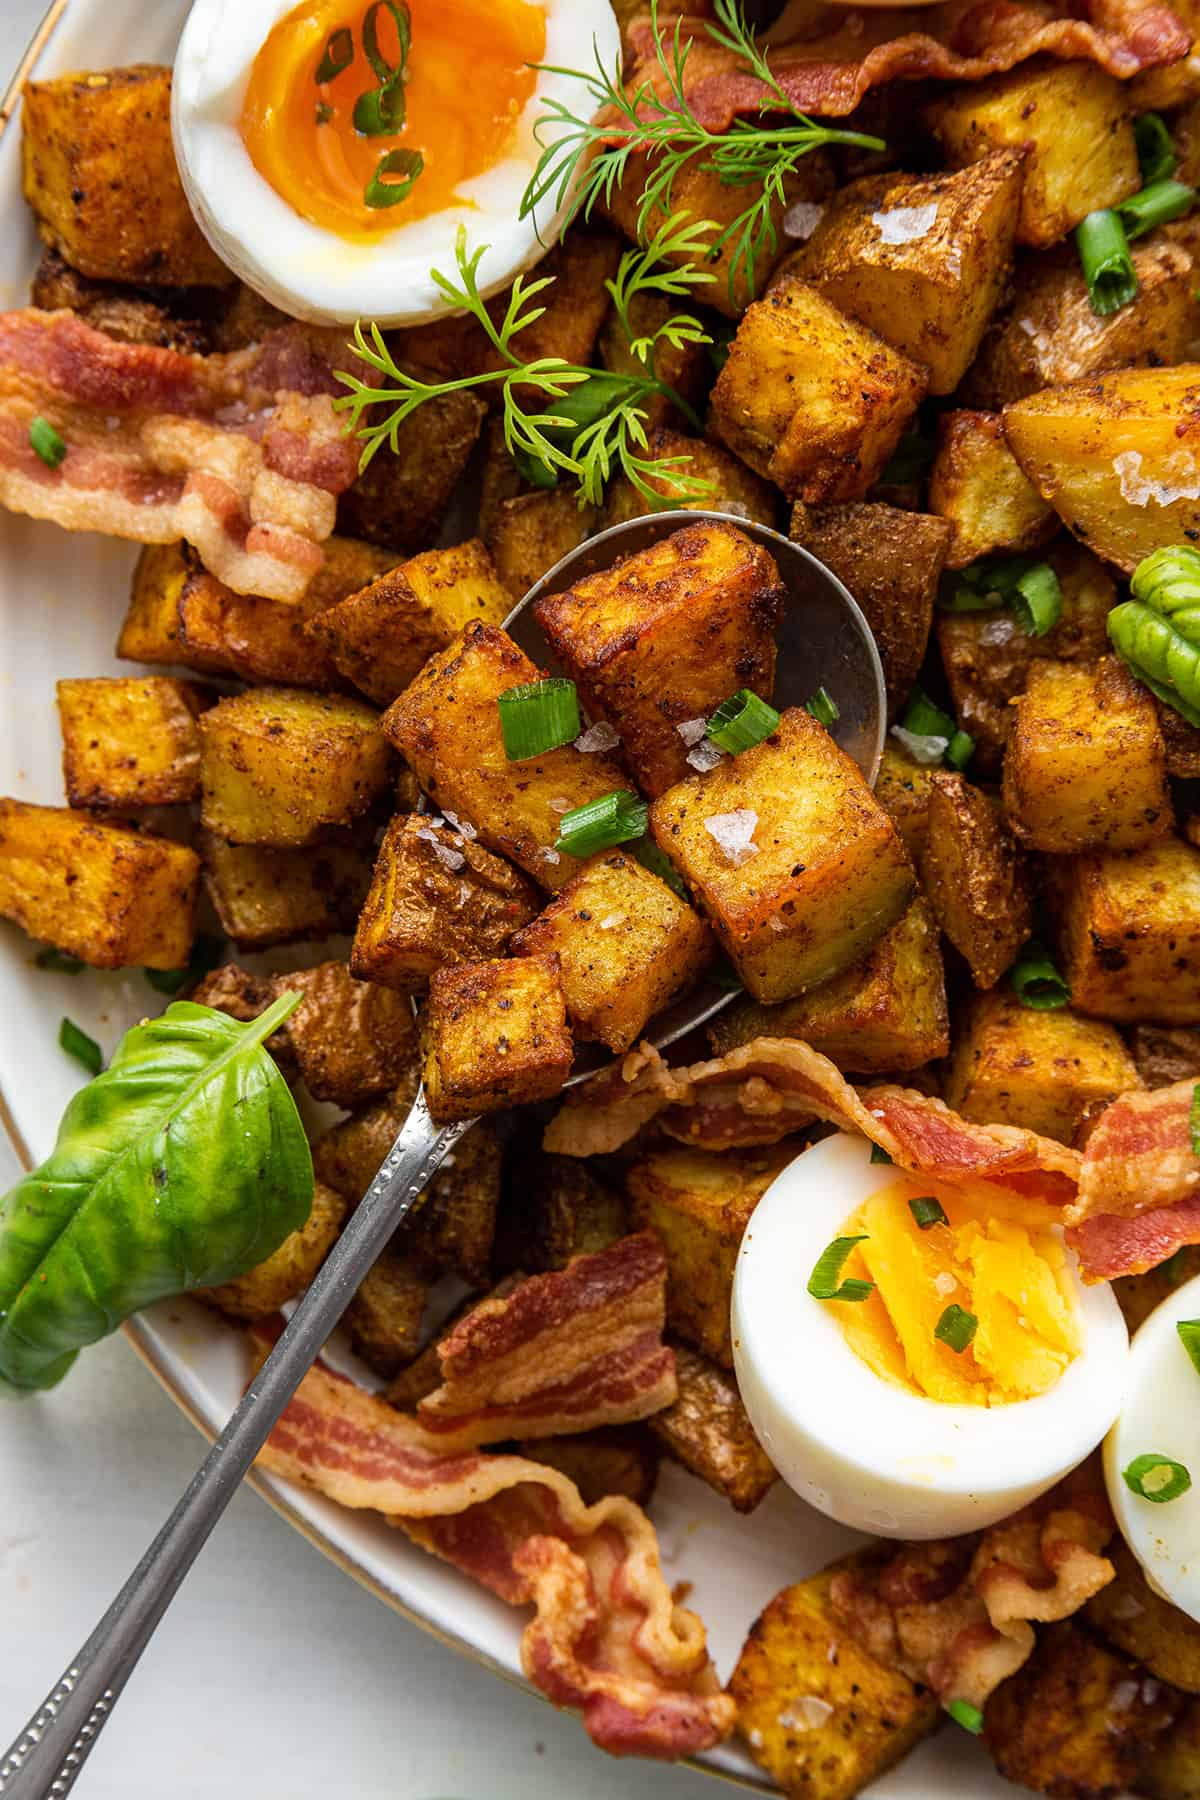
x: 905, y: 224
x: 559, y: 804
x: 733, y: 833
x: 610, y: 921
x: 692, y: 730
x: 802, y: 218
x: 597, y: 737
x: 922, y: 747
x: 1180, y: 470
x: 551, y: 856
x: 1124, y: 1695
x: 450, y: 858
x: 945, y: 1283
x: 736, y: 509
x: 704, y: 756
x: 808, y: 1713
x: 464, y: 827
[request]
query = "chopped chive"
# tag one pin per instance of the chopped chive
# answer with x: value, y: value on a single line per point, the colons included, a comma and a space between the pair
x: 382, y: 111
x: 1036, y: 982
x: 61, y: 962
x: 599, y: 824
x: 825, y: 1282
x: 956, y: 1328
x: 880, y: 1155
x: 83, y: 1048
x: 1194, y: 1120
x: 337, y: 56
x: 1155, y: 151
x: 46, y: 442
x: 741, y: 722
x: 824, y: 708
x: 541, y: 716
x: 207, y: 952
x: 966, y: 1715
x: 923, y: 719
x: 402, y: 19
x: 966, y: 597
x: 406, y: 163
x: 652, y: 858
x: 1154, y: 205
x: 1189, y: 1337
x: 959, y: 750
x: 1037, y: 600
x: 1031, y: 589
x: 1156, y: 1478
x: 927, y: 1212
x: 1107, y: 265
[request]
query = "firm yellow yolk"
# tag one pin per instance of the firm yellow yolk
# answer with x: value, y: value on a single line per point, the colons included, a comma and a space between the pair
x: 467, y: 84
x: 1007, y: 1269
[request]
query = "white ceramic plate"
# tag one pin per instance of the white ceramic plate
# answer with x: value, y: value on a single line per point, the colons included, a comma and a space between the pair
x: 62, y: 598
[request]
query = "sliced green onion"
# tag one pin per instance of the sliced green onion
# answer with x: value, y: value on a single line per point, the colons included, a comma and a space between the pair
x: 541, y: 716
x: 61, y: 962
x: 741, y: 722
x: 612, y: 819
x: 1189, y: 1337
x: 1106, y: 262
x: 825, y: 1282
x: 927, y: 1212
x: 405, y: 163
x: 1155, y: 151
x: 1030, y: 588
x: 1156, y: 1478
x: 207, y: 952
x: 1037, y: 600
x: 382, y: 111
x: 1036, y: 982
x: 956, y: 1328
x: 880, y: 1155
x: 959, y: 750
x: 924, y: 719
x: 1155, y: 205
x: 652, y: 858
x: 824, y: 708
x: 337, y: 56
x: 966, y: 1715
x: 83, y: 1048
x: 46, y: 442
x: 402, y: 19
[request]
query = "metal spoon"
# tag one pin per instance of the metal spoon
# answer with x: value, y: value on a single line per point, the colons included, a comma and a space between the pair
x: 823, y: 641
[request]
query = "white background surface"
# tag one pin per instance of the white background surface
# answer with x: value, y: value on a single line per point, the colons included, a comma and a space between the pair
x: 274, y: 1675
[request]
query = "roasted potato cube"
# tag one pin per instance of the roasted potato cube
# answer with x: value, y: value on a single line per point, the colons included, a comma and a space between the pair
x: 819, y: 1714
x: 150, y: 633
x: 1138, y: 1295
x: 1146, y: 1627
x: 888, y: 1012
x: 130, y: 741
x: 1172, y: 1769
x: 529, y: 533
x: 1182, y: 742
x: 810, y: 398
x: 789, y: 855
x: 114, y: 898
x: 436, y: 897
x: 977, y: 486
x: 613, y: 1459
x: 976, y: 878
x: 1045, y: 1071
x: 1085, y: 767
x: 379, y: 637
x: 733, y: 488
x: 447, y: 725
x: 497, y: 1036
x: 1165, y: 1054
x: 264, y: 897
x: 666, y: 636
x: 385, y: 1316
x: 1174, y: 83
x: 554, y: 1208
x: 902, y: 788
x: 402, y: 496
x: 708, y: 1430
x: 921, y: 259
x: 684, y: 367
x: 1128, y: 932
x: 261, y: 1291
x: 626, y: 946
x: 172, y: 321
x: 1073, y: 121
x: 99, y: 172
x: 891, y: 561
x: 278, y: 766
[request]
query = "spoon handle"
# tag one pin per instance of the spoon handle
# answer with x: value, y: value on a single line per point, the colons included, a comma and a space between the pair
x: 45, y: 1759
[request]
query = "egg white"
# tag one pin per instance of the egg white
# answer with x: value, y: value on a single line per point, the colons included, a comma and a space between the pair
x: 858, y: 1448
x: 312, y: 273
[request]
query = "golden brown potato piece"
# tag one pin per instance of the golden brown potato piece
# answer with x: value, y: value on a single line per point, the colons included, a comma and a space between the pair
x: 264, y: 897
x: 1177, y: 82
x: 447, y: 725
x: 811, y: 399
x: 1072, y: 119
x: 1138, y: 1295
x: 733, y: 487
x: 171, y: 320
x: 887, y: 1013
x: 977, y: 486
x: 819, y: 1714
x: 614, y: 1459
x: 261, y: 1291
x: 902, y: 788
x: 666, y: 636
x: 1182, y: 742
x: 129, y: 741
x: 685, y: 368
x: 116, y: 899
x: 402, y: 496
x: 975, y: 878
x: 554, y: 1208
x: 708, y: 1430
x: 1085, y: 767
x: 278, y: 766
x: 529, y: 533
x: 790, y: 857
x: 496, y: 1036
x: 1128, y: 932
x: 437, y: 897
x: 891, y: 561
x: 384, y: 1318
x: 379, y: 637
x: 1164, y: 1053
x: 99, y: 172
x: 1172, y: 1770
x: 1141, y: 1623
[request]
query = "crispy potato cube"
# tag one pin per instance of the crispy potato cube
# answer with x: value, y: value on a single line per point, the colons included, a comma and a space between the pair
x: 626, y: 946
x: 99, y: 171
x: 797, y: 1655
x: 1182, y: 742
x: 977, y: 486
x: 278, y: 766
x: 261, y: 1291
x: 1138, y: 1295
x: 1146, y: 1627
x: 1185, y: 126
x: 1172, y: 1769
x: 1072, y: 119
x: 1085, y: 767
x: 379, y: 637
x: 497, y: 1036
x: 886, y: 1013
x: 684, y: 367
x: 810, y: 398
x: 804, y: 870
x: 264, y: 897
x: 150, y: 632
x: 116, y: 899
x: 902, y: 788
x: 1165, y: 1054
x: 436, y: 897
x: 891, y: 561
x: 131, y: 315
x: 529, y: 533
x: 921, y: 259
x: 975, y: 877
x: 708, y: 1430
x: 733, y: 487
x: 666, y: 636
x: 554, y: 1208
x: 613, y: 1459
x: 1045, y: 1071
x: 447, y: 725
x: 130, y: 742
x: 402, y: 496
x: 1128, y: 932
x: 385, y: 1316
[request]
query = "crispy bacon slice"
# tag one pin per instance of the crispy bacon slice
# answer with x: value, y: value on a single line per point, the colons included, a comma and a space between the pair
x: 1139, y: 1186
x: 241, y: 454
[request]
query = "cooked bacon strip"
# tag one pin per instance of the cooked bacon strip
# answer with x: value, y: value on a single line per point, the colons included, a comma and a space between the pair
x: 1139, y: 1186
x: 605, y: 1112
x: 161, y: 445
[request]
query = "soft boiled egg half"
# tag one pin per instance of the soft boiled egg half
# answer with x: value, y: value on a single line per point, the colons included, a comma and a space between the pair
x: 331, y: 150
x: 976, y: 1371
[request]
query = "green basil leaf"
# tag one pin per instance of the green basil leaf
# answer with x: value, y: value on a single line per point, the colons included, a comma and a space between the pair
x: 183, y: 1165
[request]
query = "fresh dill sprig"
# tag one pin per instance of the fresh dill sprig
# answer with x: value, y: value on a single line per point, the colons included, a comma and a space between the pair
x: 585, y: 159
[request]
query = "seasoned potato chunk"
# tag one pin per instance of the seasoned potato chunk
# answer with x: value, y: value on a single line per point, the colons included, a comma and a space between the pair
x: 1165, y: 1053
x: 666, y: 636
x: 529, y: 533
x: 131, y: 315
x: 129, y: 741
x: 1072, y: 119
x: 975, y: 878
x: 1172, y: 84
x: 733, y: 487
x: 264, y: 897
x: 554, y: 1208
x: 1145, y: 1626
x: 114, y: 898
x: 626, y: 946
x: 613, y: 1459
x: 1182, y: 742
x: 1128, y: 932
x: 402, y: 496
x: 99, y: 172
x: 1172, y: 1769
x: 902, y: 788
x: 1085, y: 767
x: 977, y: 486
x: 789, y: 855
x: 384, y: 1318
x: 1138, y: 1295
x: 278, y: 766
x: 447, y: 725
x: 261, y: 1291
x: 1014, y: 1065
x: 497, y: 1036
x: 379, y: 637
x: 819, y: 1714
x: 810, y: 398
x: 708, y: 1430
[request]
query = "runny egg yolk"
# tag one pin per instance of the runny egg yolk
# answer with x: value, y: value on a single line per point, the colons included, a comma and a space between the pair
x: 468, y: 79
x: 1008, y: 1269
